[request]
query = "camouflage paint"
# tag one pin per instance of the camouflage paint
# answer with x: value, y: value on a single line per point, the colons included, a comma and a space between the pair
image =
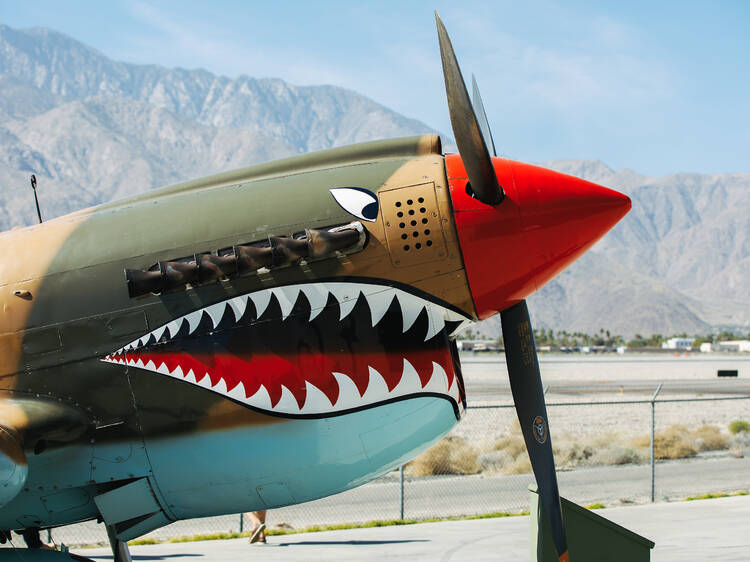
x: 80, y: 311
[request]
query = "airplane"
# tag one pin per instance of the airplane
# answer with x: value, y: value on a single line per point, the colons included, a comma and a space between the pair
x: 275, y: 334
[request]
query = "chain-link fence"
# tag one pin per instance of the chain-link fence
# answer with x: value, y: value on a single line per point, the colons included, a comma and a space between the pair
x: 603, y: 451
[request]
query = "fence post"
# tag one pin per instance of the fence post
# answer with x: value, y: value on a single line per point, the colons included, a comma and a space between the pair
x: 401, y: 490
x: 242, y: 522
x: 653, y: 431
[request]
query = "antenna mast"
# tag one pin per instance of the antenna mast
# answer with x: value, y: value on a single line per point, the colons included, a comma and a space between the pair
x: 36, y: 199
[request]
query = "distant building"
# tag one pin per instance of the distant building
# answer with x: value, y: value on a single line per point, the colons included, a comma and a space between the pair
x: 476, y: 345
x: 734, y: 345
x: 683, y: 344
x: 707, y: 347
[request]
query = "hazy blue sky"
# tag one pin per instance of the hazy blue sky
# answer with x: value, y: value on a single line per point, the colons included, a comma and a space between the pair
x: 655, y: 86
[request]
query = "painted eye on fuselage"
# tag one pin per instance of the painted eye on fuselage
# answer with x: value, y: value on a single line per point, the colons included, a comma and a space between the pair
x: 358, y: 201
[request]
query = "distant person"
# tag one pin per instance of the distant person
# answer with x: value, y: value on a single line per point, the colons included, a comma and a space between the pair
x: 258, y: 519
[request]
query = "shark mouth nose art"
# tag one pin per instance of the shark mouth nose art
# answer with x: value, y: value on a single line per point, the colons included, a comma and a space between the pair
x: 310, y: 350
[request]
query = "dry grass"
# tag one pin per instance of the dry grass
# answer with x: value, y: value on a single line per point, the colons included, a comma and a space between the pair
x: 522, y: 465
x: 679, y: 442
x: 710, y: 438
x: 513, y: 447
x: 571, y: 452
x: 452, y: 455
x: 512, y: 444
x: 507, y: 455
x: 604, y: 449
x: 672, y: 443
x: 616, y: 454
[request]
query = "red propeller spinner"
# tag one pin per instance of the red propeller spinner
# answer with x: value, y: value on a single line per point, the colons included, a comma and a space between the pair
x: 546, y: 221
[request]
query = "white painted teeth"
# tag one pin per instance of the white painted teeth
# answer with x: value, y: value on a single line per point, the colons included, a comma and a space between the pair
x: 221, y: 387
x: 261, y: 300
x: 411, y: 306
x: 159, y: 332
x: 238, y: 306
x: 316, y: 402
x: 238, y: 393
x: 174, y: 327
x: 379, y: 298
x: 348, y: 394
x: 379, y: 302
x: 376, y: 387
x: 205, y: 381
x: 436, y: 321
x: 317, y: 296
x: 438, y: 382
x: 216, y: 313
x: 260, y: 399
x: 194, y: 319
x: 458, y: 329
x: 347, y: 295
x: 286, y: 296
x: 287, y: 402
x: 409, y: 383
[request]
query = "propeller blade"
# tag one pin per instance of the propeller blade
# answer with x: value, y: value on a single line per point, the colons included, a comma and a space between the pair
x: 528, y: 395
x: 484, y: 125
x: 471, y: 145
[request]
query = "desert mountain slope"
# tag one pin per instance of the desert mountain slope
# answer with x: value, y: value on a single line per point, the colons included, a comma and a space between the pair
x: 93, y: 129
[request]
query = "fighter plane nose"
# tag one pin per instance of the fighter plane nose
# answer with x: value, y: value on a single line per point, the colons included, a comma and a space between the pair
x: 562, y: 216
x: 546, y: 221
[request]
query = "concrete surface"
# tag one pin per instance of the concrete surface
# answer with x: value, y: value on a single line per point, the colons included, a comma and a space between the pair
x: 700, y: 530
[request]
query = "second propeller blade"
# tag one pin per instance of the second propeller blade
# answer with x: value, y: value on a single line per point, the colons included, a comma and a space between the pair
x: 471, y: 146
x: 528, y: 396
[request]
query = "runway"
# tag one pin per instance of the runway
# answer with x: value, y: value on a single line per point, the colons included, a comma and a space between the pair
x: 500, y: 389
x: 630, y: 376
x: 699, y: 530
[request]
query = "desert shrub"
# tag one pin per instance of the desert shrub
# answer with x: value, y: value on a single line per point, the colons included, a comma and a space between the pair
x: 517, y: 459
x: 451, y: 455
x: 571, y: 453
x: 678, y: 442
x: 522, y: 465
x: 616, y: 454
x: 709, y: 438
x: 739, y: 426
x: 675, y: 442
x: 494, y: 461
x: 514, y: 445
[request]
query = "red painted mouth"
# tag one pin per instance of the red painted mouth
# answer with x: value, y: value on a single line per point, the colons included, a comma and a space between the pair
x: 295, y: 372
x: 299, y: 363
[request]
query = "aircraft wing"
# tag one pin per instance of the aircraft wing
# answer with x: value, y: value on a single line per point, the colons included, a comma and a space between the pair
x: 29, y: 424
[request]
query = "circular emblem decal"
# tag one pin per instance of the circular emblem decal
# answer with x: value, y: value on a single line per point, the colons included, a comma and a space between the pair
x: 540, y: 430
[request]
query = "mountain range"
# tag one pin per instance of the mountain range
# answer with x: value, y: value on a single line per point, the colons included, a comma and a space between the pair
x: 93, y: 129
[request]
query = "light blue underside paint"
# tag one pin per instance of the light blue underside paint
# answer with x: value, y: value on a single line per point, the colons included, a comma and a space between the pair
x: 12, y: 478
x: 60, y: 486
x: 242, y: 469
x: 292, y: 461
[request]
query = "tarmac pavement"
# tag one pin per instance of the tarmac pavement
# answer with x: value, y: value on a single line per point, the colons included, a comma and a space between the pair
x: 714, y: 529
